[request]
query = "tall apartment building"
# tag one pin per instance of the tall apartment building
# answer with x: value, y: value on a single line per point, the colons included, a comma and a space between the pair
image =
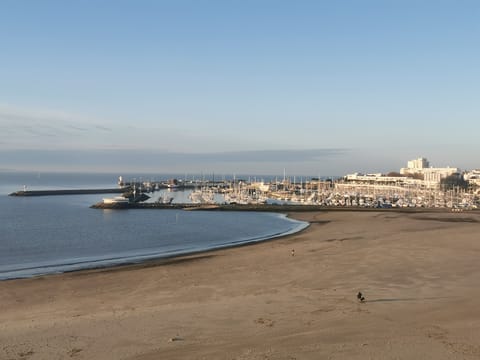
x: 420, y: 163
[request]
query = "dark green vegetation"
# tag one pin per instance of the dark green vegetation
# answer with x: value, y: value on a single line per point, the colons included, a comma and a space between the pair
x: 454, y: 181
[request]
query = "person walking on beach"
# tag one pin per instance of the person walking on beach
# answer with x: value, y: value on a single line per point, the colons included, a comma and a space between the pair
x: 360, y: 297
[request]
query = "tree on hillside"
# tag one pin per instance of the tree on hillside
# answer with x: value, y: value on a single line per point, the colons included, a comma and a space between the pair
x: 412, y: 176
x: 453, y: 181
x: 394, y: 174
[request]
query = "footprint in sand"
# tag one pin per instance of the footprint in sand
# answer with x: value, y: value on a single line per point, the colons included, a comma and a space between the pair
x: 266, y: 322
x: 74, y: 352
x: 24, y: 355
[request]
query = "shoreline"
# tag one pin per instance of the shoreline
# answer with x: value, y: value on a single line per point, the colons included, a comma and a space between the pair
x: 288, y: 211
x: 151, y: 258
x: 172, y: 259
x: 418, y: 271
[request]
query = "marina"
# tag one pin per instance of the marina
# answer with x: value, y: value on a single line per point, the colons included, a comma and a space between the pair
x: 265, y: 195
x: 418, y: 185
x: 310, y: 193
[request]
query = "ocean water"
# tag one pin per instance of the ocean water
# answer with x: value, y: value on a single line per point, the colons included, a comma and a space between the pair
x: 53, y: 234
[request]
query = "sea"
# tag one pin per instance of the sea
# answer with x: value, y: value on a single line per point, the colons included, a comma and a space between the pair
x: 55, y: 234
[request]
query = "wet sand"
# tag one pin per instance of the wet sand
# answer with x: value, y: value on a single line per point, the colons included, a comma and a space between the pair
x: 420, y: 274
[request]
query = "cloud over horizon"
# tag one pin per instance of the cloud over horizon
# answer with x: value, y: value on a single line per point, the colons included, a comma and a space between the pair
x: 22, y: 128
x: 254, y: 162
x: 38, y: 129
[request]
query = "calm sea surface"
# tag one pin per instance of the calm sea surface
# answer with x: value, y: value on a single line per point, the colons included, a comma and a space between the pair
x: 42, y: 235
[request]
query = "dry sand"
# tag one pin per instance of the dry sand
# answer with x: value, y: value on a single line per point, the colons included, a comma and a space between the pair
x: 419, y: 272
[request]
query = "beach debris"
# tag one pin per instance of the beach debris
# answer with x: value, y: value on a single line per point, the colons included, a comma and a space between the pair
x: 74, y: 352
x: 266, y: 322
x: 25, y: 354
x: 360, y: 297
x: 175, y: 338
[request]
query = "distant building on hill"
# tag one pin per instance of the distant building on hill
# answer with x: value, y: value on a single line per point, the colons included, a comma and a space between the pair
x: 431, y: 175
x: 417, y: 173
x: 416, y: 166
x: 420, y: 163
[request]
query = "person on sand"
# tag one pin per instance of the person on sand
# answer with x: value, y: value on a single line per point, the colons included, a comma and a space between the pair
x: 293, y: 252
x: 360, y: 297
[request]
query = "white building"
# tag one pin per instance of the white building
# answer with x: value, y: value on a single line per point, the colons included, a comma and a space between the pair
x: 431, y: 175
x: 473, y: 177
x: 415, y: 166
x: 380, y: 179
x: 420, y: 163
x: 437, y: 174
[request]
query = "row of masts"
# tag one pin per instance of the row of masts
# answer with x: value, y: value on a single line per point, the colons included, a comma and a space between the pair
x: 315, y: 192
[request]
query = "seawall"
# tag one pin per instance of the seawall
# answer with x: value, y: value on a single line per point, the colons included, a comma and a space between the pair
x: 259, y: 207
x: 69, y: 192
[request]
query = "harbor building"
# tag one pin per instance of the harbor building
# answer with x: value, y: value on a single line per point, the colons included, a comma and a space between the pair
x: 432, y: 176
x: 415, y: 165
x: 473, y: 177
x: 418, y: 184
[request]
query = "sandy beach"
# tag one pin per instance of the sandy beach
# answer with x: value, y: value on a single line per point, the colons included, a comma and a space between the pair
x: 419, y: 273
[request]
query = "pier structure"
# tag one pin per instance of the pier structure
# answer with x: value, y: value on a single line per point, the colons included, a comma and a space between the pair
x: 69, y: 192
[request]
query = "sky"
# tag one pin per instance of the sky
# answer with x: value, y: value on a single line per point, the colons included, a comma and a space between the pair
x: 239, y: 86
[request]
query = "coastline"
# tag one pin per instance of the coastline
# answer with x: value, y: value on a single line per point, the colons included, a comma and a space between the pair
x: 418, y: 272
x: 138, y: 257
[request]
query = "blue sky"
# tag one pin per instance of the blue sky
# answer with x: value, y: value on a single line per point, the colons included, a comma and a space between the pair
x: 316, y: 87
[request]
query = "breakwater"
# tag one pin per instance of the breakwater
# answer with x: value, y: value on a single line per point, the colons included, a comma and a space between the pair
x: 69, y: 192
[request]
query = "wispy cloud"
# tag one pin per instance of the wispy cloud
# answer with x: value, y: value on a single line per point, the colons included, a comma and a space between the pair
x: 258, y: 156
x: 76, y: 128
x: 22, y: 128
x: 104, y: 128
x: 14, y: 113
x: 252, y: 162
